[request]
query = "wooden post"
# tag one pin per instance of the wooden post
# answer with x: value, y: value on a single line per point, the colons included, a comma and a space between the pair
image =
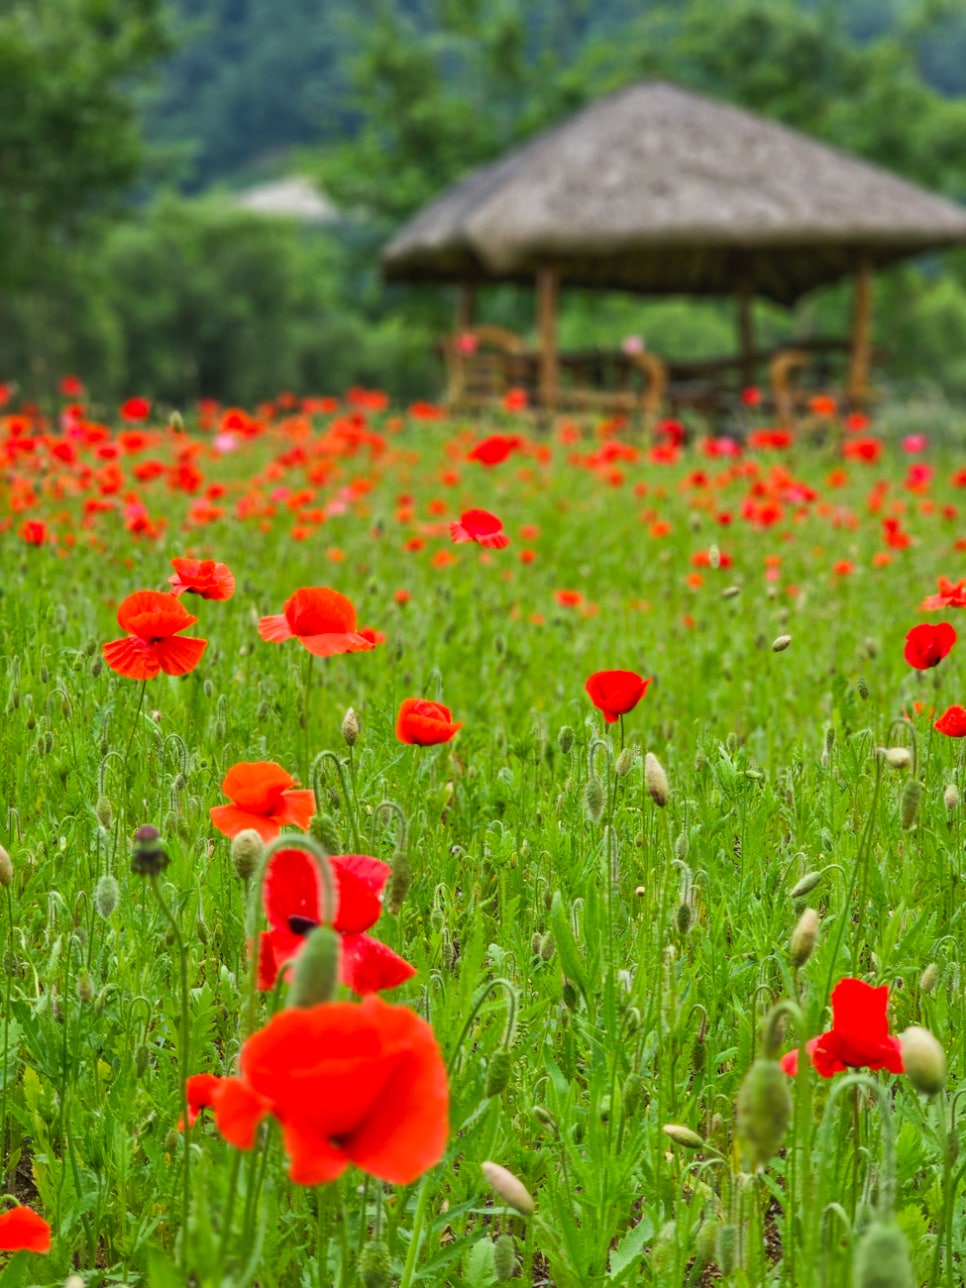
x: 858, y: 383
x: 465, y: 301
x: 548, y: 281
x: 746, y: 334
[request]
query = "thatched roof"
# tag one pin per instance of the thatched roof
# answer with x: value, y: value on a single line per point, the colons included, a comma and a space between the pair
x: 657, y: 189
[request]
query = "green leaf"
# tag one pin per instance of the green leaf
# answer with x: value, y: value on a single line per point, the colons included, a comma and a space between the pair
x: 478, y: 1269
x: 15, y: 1273
x: 563, y: 938
x: 630, y: 1247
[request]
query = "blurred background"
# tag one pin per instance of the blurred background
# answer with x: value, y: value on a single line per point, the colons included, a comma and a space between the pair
x: 194, y: 193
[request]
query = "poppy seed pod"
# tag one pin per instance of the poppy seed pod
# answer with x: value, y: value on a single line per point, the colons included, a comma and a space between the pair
x: 504, y: 1258
x: 726, y: 1249
x: 781, y: 643
x: 375, y: 1265
x: 565, y: 739
x: 593, y: 798
x: 148, y: 858
x: 882, y: 1258
x: 6, y: 868
x: 924, y: 1060
x: 350, y: 728
x: 804, y: 938
x: 246, y: 852
x: 509, y: 1188
x: 764, y: 1110
x: 951, y: 797
x: 315, y: 975
x: 655, y: 779
x: 909, y: 803
x: 929, y: 979
x: 106, y: 894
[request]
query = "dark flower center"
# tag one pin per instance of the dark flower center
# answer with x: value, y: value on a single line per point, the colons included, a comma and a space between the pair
x: 301, y: 925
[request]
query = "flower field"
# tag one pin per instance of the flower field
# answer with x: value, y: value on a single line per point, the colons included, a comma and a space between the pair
x: 430, y: 848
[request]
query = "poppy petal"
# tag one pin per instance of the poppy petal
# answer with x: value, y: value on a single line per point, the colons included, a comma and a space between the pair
x: 238, y: 1111
x: 369, y: 966
x: 313, y: 1159
x: 201, y: 1088
x: 131, y: 658
x: 329, y: 645
x: 152, y: 614
x: 296, y: 808
x: 459, y: 533
x: 23, y: 1230
x: 275, y: 629
x: 257, y: 785
x: 498, y: 541
x: 292, y: 888
x: 179, y: 655
x: 231, y: 819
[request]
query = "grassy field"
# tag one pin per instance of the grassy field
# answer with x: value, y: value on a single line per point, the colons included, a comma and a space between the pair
x: 598, y: 951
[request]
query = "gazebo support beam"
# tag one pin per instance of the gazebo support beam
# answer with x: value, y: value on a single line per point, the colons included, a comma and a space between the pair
x: 858, y: 384
x: 465, y: 307
x: 548, y: 283
x: 746, y: 334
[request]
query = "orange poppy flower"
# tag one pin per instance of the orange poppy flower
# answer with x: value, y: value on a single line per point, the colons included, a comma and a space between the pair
x: 422, y: 723
x: 362, y: 1084
x: 260, y: 796
x: 322, y: 620
x: 153, y: 621
x: 202, y: 577
x: 22, y: 1230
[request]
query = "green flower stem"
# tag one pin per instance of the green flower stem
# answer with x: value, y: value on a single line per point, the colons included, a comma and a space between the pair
x: 316, y: 778
x: 183, y: 1066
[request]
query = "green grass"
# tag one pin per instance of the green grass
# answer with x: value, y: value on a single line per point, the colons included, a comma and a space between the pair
x: 642, y: 949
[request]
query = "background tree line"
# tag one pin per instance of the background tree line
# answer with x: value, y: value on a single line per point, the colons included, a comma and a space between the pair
x: 124, y: 125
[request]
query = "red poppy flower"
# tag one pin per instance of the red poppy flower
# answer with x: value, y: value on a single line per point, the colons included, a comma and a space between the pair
x: 33, y: 532
x: 153, y: 621
x: 372, y: 635
x: 927, y: 645
x: 294, y: 905
x: 482, y: 527
x: 951, y: 595
x: 349, y: 1083
x: 616, y: 692
x: 495, y: 449
x: 952, y: 722
x: 421, y: 723
x: 22, y: 1230
x: 260, y: 796
x: 136, y: 409
x: 202, y: 577
x: 859, y: 1036
x: 322, y: 620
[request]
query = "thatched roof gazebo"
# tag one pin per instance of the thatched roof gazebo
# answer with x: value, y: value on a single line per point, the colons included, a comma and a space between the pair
x: 659, y: 190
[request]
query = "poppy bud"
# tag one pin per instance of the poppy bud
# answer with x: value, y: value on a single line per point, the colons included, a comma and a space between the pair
x: 375, y: 1265
x: 862, y: 685
x: 730, y: 592
x: 882, y: 1258
x: 547, y: 948
x: 951, y: 797
x: 682, y: 844
x: 6, y: 868
x: 546, y: 1119
x: 141, y: 1061
x: 449, y: 951
x: 806, y: 885
x: 247, y: 849
x: 593, y: 798
x: 176, y: 422
x: 655, y: 779
x: 97, y: 666
x: 350, y: 728
x: 508, y: 1187
x: 781, y: 643
x: 764, y: 1110
x: 924, y: 1060
x: 569, y: 995
x: 171, y: 1141
x: 624, y: 763
x: 85, y: 987
x: 498, y: 1073
x: 208, y: 689
x: 896, y: 757
x: 909, y: 803
x: 74, y: 1281
x: 726, y: 1249
x: 683, y: 1136
x: 148, y: 858
x: 632, y: 1093
x: 504, y: 1258
x: 565, y: 739
x: 105, y: 812
x: 804, y: 938
x: 399, y: 882
x: 315, y: 974
x: 929, y: 978
x: 323, y: 828
x: 714, y: 557
x: 106, y: 894
x: 683, y: 918
x: 706, y: 1241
